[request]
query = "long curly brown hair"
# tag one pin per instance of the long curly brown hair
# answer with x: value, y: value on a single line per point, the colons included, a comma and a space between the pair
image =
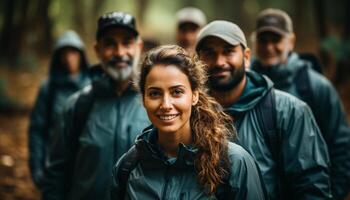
x: 211, y: 127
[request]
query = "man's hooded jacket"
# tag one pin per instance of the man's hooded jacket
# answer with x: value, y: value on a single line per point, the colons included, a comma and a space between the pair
x: 302, y: 164
x: 327, y: 108
x: 82, y: 169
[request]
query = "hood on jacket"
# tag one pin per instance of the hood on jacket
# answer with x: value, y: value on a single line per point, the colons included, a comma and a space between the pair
x: 281, y: 74
x: 257, y: 86
x: 67, y: 39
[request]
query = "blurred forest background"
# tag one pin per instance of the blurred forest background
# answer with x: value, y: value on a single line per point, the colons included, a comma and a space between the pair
x: 30, y: 27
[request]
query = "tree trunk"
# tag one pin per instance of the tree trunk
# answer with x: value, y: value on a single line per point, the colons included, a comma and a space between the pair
x: 141, y: 7
x: 320, y: 18
x: 96, y: 8
x: 7, y: 30
x: 79, y: 16
x: 343, y: 64
x: 44, y: 27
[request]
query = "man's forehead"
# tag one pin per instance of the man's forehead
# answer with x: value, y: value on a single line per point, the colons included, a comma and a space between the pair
x: 213, y: 41
x: 269, y: 34
x: 188, y: 25
x: 118, y: 32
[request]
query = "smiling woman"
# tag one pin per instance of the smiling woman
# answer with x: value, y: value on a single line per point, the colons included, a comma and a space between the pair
x: 168, y: 99
x: 186, y: 153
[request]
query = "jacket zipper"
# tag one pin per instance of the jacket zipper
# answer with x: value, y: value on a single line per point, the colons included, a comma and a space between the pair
x: 118, y: 128
x: 165, y: 188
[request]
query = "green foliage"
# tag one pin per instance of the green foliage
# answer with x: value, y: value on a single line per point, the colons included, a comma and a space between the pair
x: 340, y: 49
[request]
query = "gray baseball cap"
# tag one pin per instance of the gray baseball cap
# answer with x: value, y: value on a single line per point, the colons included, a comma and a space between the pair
x: 225, y: 30
x: 191, y: 15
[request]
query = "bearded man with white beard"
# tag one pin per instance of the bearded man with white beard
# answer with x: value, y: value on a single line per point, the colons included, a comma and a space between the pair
x: 100, y: 123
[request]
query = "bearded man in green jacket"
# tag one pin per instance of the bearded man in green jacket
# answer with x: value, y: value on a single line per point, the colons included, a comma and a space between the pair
x: 100, y: 123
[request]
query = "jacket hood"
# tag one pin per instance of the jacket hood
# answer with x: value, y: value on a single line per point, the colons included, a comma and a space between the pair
x: 257, y: 86
x: 282, y: 74
x: 71, y: 39
x: 67, y: 39
x: 105, y: 87
x: 150, y: 152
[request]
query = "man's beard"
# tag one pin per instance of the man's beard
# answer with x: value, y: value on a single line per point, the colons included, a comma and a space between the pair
x: 217, y: 84
x: 123, y: 73
x: 184, y: 44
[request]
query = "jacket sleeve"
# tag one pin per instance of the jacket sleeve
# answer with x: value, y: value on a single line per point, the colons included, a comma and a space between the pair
x: 305, y: 160
x: 38, y: 136
x: 335, y: 128
x: 245, y: 178
x: 60, y: 165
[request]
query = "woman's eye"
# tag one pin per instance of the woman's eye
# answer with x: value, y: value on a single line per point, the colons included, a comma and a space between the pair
x: 177, y: 92
x: 153, y: 93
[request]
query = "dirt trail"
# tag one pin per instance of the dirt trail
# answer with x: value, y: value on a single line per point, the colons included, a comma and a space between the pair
x: 15, y: 181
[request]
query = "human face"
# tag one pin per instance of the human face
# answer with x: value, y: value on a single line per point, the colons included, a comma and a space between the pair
x: 118, y: 50
x: 186, y: 35
x: 168, y: 99
x: 272, y: 48
x: 70, y: 57
x: 226, y: 63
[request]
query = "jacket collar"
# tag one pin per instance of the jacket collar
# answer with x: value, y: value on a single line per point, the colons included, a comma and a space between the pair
x: 105, y: 87
x: 150, y: 152
x: 256, y: 88
x: 78, y: 81
x: 282, y: 74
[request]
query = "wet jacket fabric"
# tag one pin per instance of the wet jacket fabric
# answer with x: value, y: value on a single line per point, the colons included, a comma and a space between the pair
x: 303, y: 153
x: 50, y: 100
x: 328, y: 111
x: 158, y: 177
x: 110, y: 130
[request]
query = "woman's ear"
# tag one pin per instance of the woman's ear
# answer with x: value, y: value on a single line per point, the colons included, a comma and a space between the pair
x: 195, y: 98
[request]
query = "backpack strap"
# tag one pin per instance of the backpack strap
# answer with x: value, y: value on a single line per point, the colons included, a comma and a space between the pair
x: 303, y: 86
x: 81, y: 111
x: 266, y: 111
x: 224, y: 190
x: 128, y: 163
x: 314, y: 61
x: 267, y: 119
x: 51, y: 93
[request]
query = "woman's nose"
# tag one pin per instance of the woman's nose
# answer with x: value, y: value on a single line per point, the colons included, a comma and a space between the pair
x: 166, y: 104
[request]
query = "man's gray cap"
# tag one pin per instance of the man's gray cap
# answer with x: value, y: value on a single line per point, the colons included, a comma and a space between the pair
x: 225, y: 30
x: 191, y: 15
